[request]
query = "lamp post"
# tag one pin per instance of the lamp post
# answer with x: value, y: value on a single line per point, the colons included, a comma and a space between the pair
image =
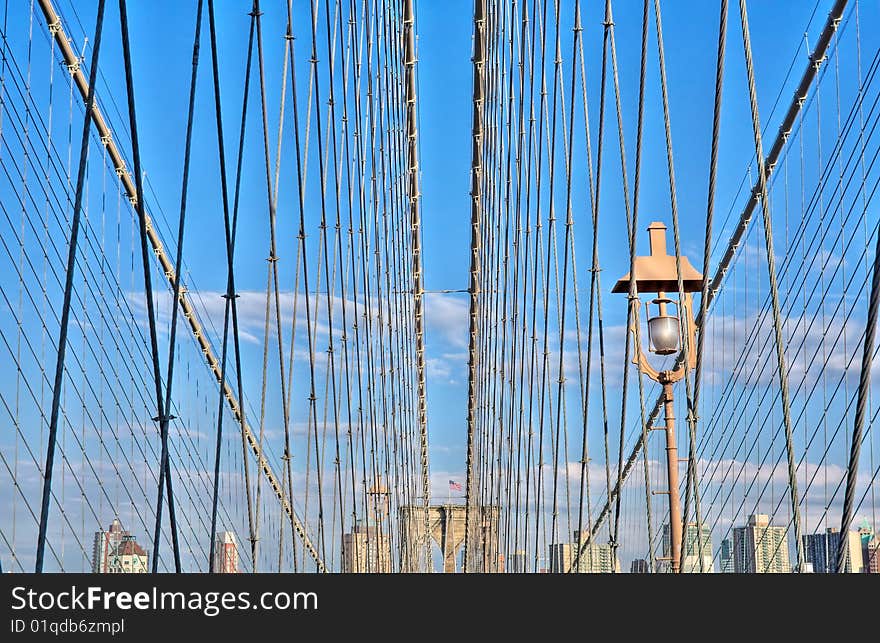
x: 671, y: 317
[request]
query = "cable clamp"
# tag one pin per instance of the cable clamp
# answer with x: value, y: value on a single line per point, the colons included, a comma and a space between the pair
x: 55, y: 27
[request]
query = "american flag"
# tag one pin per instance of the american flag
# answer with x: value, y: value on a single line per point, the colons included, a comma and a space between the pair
x: 454, y: 486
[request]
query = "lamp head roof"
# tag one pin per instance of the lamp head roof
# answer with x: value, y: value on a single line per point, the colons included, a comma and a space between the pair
x: 657, y: 272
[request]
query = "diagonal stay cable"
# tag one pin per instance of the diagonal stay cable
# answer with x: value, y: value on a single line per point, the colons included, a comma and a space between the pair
x: 230, y: 296
x: 774, y: 288
x: 148, y: 287
x: 166, y: 413
x: 864, y: 386
x: 704, y: 297
x: 797, y: 102
x: 68, y: 290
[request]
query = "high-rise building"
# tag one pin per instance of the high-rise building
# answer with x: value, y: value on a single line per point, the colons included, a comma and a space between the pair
x: 872, y: 560
x: 870, y: 550
x: 760, y: 548
x: 366, y: 550
x: 115, y: 551
x: 518, y: 562
x: 822, y: 550
x: 727, y: 556
x: 560, y: 558
x: 690, y: 564
x: 594, y: 558
x: 638, y: 566
x: 226, y: 553
x: 104, y: 544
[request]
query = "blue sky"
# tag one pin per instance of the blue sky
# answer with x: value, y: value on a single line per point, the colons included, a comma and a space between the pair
x: 782, y: 34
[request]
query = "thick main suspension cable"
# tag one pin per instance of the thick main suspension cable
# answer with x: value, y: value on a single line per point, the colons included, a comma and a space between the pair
x: 795, y: 107
x: 103, y: 130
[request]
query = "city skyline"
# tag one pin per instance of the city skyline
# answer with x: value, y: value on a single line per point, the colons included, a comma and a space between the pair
x: 373, y: 286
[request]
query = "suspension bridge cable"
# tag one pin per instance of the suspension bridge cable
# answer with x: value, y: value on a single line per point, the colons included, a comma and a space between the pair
x: 230, y: 228
x: 164, y: 466
x: 68, y: 288
x: 800, y: 95
x: 479, y: 59
x: 693, y: 412
x: 179, y: 259
x: 771, y: 267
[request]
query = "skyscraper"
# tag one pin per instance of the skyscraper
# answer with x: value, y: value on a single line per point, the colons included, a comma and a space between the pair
x: 870, y: 550
x: 822, y: 550
x: 595, y: 558
x: 638, y: 566
x: 690, y: 564
x: 366, y: 550
x: 727, y: 556
x: 760, y: 548
x: 226, y: 554
x: 872, y: 563
x: 115, y: 551
x: 517, y: 562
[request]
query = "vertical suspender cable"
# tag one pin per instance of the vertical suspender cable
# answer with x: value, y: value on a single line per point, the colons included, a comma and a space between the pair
x: 71, y: 58
x: 273, y: 263
x: 774, y: 288
x: 609, y: 22
x: 230, y: 296
x: 476, y: 216
x: 633, y: 295
x: 735, y: 241
x: 691, y: 477
x: 68, y: 291
x: 166, y: 415
x: 864, y: 390
x: 409, y: 59
x: 148, y: 288
x: 685, y: 346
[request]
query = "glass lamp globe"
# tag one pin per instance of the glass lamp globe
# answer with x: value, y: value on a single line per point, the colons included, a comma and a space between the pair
x: 664, y: 334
